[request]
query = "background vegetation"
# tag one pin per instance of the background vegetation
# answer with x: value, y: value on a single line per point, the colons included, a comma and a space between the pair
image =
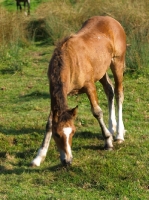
x: 27, y: 43
x: 54, y: 19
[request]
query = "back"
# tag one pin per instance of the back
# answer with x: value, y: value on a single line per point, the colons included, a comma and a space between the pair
x: 105, y: 26
x: 87, y: 55
x: 92, y: 48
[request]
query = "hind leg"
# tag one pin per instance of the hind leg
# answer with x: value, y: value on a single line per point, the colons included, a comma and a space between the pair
x: 19, y: 7
x: 24, y: 6
x: 97, y: 112
x: 117, y: 67
x: 28, y: 8
x: 109, y: 91
x: 42, y: 152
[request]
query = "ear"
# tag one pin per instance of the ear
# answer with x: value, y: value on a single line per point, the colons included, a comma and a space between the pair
x: 73, y: 112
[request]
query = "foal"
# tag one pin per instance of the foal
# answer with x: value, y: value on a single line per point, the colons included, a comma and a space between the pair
x: 77, y: 63
x: 26, y: 2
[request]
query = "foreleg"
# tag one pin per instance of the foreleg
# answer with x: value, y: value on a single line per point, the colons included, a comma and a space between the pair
x: 42, y: 152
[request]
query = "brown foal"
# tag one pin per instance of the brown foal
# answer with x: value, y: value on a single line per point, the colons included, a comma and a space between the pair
x: 77, y: 63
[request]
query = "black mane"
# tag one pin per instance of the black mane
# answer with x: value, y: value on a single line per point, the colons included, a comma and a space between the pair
x: 58, y: 101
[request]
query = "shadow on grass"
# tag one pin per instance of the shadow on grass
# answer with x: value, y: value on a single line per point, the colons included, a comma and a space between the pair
x: 35, y: 94
x: 21, y: 170
x: 91, y: 136
x: 7, y: 71
x: 22, y: 131
x: 88, y: 135
x: 91, y: 147
x: 24, y: 166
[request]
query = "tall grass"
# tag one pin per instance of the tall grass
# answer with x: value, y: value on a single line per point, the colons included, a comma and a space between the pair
x: 13, y: 36
x: 64, y: 17
x: 55, y: 19
x: 12, y: 28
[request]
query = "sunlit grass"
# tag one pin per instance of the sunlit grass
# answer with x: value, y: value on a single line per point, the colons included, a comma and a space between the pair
x: 95, y: 173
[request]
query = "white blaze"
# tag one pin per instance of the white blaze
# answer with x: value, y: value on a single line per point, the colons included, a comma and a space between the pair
x: 67, y: 131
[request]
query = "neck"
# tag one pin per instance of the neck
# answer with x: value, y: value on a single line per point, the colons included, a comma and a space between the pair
x: 57, y: 77
x: 59, y: 99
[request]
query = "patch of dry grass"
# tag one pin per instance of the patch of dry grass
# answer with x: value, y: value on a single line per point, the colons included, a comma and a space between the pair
x: 13, y: 28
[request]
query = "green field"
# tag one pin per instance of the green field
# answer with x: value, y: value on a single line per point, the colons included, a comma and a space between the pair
x: 121, y: 174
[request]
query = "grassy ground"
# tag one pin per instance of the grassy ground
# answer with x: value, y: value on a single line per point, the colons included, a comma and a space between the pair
x: 122, y: 174
x: 95, y: 173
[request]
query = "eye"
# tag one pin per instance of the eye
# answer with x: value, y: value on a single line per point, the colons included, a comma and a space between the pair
x: 57, y: 135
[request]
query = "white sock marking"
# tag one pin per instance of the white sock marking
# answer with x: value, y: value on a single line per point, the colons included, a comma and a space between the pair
x: 40, y: 156
x: 42, y: 151
x: 120, y: 127
x: 112, y: 119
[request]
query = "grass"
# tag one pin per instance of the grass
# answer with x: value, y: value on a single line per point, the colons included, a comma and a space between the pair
x: 121, y: 174
x: 95, y: 173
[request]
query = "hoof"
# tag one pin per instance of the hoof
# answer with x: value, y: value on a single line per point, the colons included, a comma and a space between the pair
x: 32, y: 164
x: 119, y: 141
x: 108, y: 148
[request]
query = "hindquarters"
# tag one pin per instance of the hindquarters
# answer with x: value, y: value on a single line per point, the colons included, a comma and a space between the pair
x: 104, y: 32
x: 100, y: 42
x: 106, y: 41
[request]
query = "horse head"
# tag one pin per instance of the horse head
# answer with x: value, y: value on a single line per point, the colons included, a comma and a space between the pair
x: 63, y: 129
